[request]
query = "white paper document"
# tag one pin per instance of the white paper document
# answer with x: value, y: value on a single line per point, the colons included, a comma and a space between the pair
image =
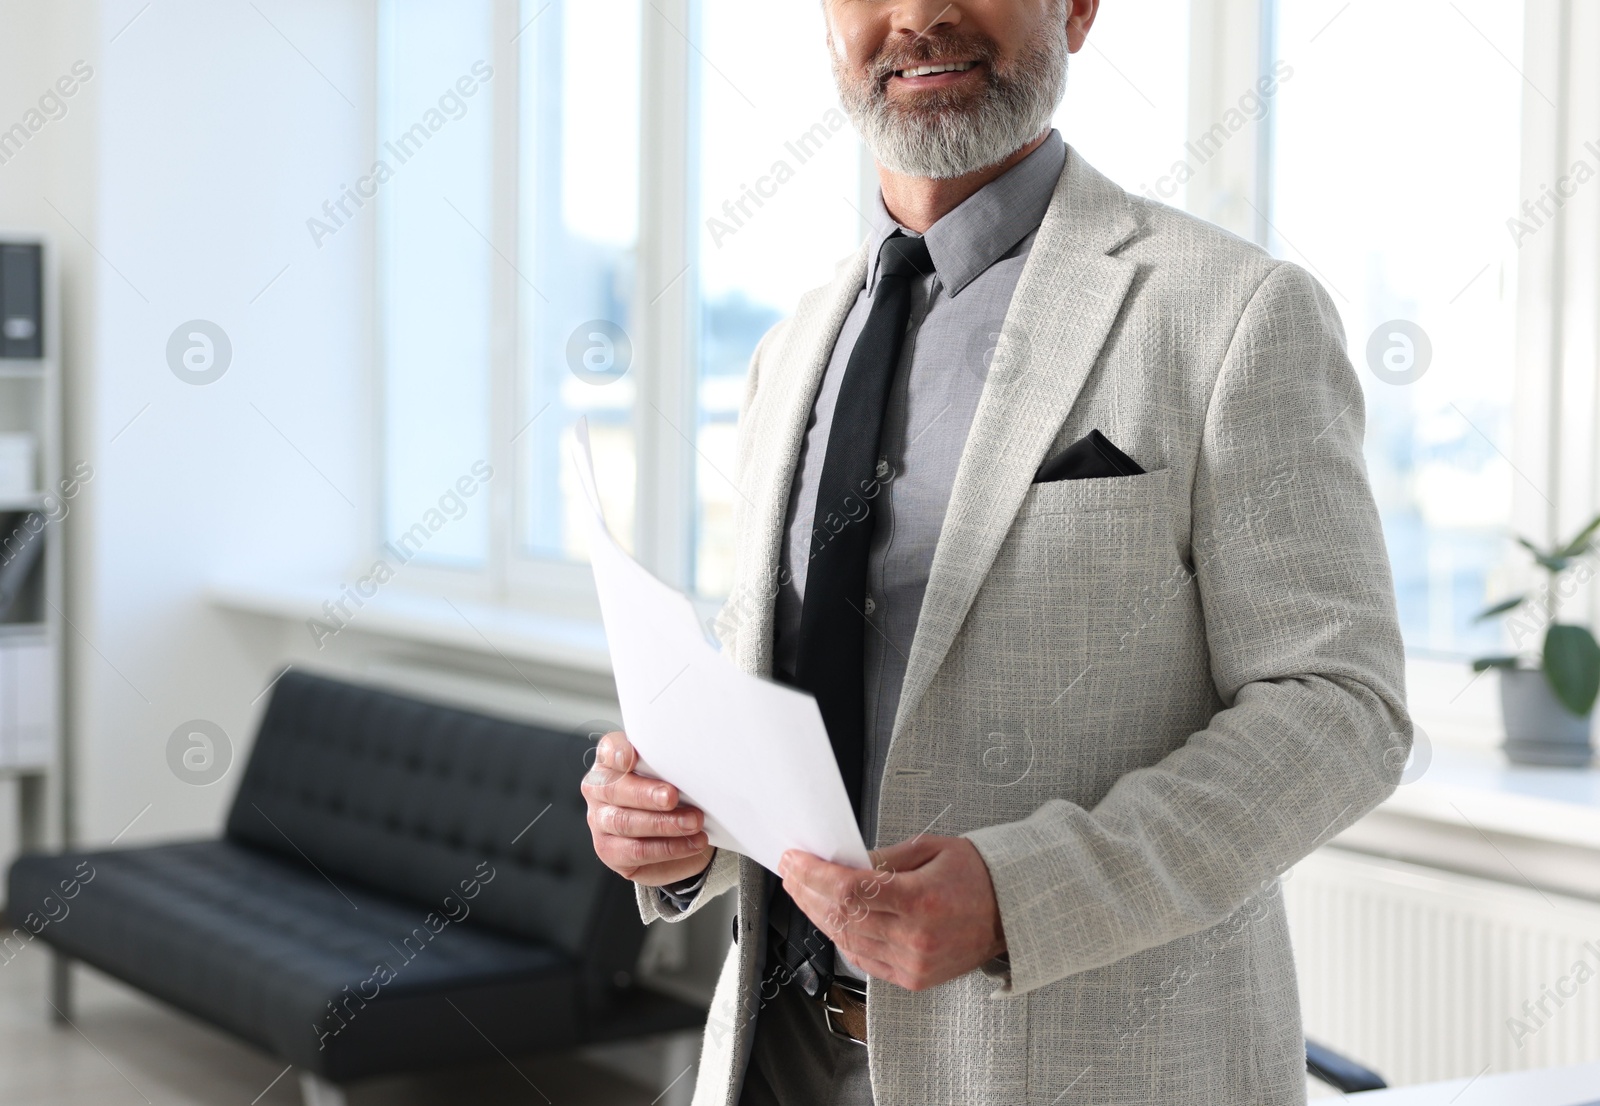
x: 753, y: 754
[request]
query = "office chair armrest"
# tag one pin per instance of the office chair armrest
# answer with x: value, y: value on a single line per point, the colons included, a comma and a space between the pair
x: 1340, y: 1072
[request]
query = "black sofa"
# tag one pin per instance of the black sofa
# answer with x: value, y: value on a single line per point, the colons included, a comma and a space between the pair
x: 400, y: 886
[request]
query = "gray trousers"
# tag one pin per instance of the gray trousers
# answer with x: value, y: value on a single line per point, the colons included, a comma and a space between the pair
x: 797, y: 1062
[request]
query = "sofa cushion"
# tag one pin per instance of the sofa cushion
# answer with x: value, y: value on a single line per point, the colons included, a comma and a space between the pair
x: 402, y: 886
x: 324, y: 974
x: 408, y: 798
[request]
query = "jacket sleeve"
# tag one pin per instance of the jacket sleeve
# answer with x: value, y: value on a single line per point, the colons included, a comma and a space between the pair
x: 723, y: 875
x: 1305, y: 654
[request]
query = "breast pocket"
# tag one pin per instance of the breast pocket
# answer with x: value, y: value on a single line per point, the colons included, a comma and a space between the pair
x: 1111, y: 493
x: 1044, y: 633
x: 1053, y: 641
x: 1100, y: 542
x: 1080, y: 556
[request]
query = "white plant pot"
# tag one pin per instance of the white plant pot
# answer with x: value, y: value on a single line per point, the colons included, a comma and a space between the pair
x: 1539, y: 729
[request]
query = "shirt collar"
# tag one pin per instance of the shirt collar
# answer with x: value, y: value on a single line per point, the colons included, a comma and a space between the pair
x: 981, y: 231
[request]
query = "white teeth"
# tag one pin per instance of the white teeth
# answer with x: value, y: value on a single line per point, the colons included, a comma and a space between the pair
x: 929, y: 70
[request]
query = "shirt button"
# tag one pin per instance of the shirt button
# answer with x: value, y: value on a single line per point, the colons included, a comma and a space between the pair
x: 883, y: 468
x: 870, y: 605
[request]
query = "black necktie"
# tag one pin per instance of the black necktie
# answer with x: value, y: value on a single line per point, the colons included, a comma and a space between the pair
x: 831, y: 656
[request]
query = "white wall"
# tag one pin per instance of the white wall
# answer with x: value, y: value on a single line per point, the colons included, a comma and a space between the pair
x: 223, y: 129
x: 192, y: 160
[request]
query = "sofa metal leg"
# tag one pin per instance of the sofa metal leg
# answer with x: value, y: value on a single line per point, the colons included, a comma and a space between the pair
x: 317, y: 1091
x: 61, y: 987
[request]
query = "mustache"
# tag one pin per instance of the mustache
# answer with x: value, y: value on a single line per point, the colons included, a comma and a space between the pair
x: 931, y: 49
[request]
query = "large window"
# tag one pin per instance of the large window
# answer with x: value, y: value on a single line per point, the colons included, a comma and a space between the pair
x: 780, y: 201
x: 578, y: 200
x: 597, y: 207
x: 432, y: 184
x: 1395, y: 193
x: 508, y: 231
x: 525, y: 252
x: 1127, y: 104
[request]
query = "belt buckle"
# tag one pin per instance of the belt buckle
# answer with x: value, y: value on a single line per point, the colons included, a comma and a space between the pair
x: 830, y: 1010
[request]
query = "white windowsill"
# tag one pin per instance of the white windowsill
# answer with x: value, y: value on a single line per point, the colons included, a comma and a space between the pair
x: 1467, y: 783
x: 478, y: 627
x: 1477, y: 788
x: 1468, y: 786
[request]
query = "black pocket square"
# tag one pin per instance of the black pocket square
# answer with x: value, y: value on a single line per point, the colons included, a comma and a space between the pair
x: 1091, y: 457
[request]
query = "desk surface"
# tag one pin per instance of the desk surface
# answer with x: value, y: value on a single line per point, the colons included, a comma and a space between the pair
x: 1576, y: 1086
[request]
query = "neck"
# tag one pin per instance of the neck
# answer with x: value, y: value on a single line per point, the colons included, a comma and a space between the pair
x: 919, y: 202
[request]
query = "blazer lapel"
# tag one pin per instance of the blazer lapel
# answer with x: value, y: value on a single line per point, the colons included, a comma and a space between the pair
x: 1066, y: 300
x: 789, y: 383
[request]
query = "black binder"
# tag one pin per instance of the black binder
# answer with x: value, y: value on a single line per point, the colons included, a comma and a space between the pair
x: 21, y: 301
x: 21, y: 543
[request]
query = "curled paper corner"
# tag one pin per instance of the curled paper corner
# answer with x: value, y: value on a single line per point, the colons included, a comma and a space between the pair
x: 713, y: 730
x: 583, y: 464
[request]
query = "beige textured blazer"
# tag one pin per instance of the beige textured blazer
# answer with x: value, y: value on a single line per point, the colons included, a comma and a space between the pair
x: 1142, y: 698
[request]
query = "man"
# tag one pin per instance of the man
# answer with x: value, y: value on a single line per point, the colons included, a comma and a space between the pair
x: 1054, y: 499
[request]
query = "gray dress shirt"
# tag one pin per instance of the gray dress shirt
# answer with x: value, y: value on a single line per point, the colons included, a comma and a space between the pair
x: 978, y: 251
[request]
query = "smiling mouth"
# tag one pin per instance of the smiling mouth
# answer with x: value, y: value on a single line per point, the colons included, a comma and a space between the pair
x: 932, y: 70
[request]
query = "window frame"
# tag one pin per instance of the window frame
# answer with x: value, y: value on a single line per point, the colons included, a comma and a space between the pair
x: 1554, y: 449
x: 1231, y: 44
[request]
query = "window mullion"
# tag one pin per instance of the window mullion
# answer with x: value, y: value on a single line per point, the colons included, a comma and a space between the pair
x: 665, y: 412
x: 504, y: 368
x: 1229, y: 41
x: 1558, y: 339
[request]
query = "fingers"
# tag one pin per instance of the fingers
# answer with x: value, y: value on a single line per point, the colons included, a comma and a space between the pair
x: 627, y: 855
x: 872, y: 938
x: 606, y: 785
x: 616, y: 752
x: 624, y: 821
x: 884, y: 957
x: 672, y: 871
x: 847, y: 892
x: 839, y: 899
x: 908, y: 955
x: 641, y: 830
x: 830, y: 881
x: 879, y: 969
x: 908, y: 855
x: 924, y: 915
x: 835, y: 917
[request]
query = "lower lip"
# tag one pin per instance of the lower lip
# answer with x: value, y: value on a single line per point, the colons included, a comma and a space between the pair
x: 934, y: 80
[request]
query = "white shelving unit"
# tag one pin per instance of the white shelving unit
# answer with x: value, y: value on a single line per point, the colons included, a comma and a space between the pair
x: 32, y: 630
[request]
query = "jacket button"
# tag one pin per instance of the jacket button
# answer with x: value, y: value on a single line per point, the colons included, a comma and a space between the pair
x: 736, y: 929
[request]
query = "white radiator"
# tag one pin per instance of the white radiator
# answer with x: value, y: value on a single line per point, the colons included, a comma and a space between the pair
x: 1426, y: 975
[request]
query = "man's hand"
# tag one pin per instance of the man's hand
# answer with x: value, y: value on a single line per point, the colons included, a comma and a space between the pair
x: 640, y: 831
x: 924, y: 915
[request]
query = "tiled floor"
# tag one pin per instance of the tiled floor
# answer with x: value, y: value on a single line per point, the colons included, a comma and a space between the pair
x: 126, y: 1050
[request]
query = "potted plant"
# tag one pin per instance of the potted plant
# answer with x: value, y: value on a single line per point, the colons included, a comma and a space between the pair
x: 1547, y: 699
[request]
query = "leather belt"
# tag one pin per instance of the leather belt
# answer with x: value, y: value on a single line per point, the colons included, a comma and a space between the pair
x: 844, y: 1005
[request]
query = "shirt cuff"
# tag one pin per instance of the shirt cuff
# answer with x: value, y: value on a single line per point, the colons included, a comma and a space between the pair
x: 681, y: 895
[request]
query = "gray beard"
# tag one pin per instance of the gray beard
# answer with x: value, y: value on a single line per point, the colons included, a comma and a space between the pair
x: 940, y: 141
